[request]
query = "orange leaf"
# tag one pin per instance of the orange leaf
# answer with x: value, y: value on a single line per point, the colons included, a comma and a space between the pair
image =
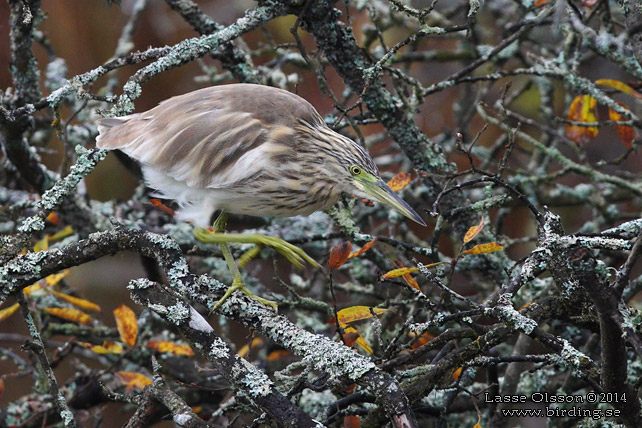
x: 133, y: 380
x: 53, y: 218
x: 421, y: 339
x: 7, y: 312
x: 405, y: 270
x: 620, y: 86
x: 399, y: 181
x: 351, y: 421
x: 525, y: 305
x: 126, y: 324
x: 278, y: 354
x: 339, y: 254
x: 478, y: 425
x: 626, y: 133
x: 356, y: 313
x: 76, y: 301
x: 582, y: 110
x: 473, y: 231
x: 457, y: 373
x: 162, y: 207
x: 540, y: 2
x: 352, y: 336
x: 70, y: 314
x: 245, y: 349
x: 1, y: 386
x: 363, y: 249
x: 106, y: 348
x: 490, y: 247
x: 411, y: 282
x: 170, y: 347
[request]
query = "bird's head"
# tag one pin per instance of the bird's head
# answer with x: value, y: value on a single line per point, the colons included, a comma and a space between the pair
x: 360, y: 176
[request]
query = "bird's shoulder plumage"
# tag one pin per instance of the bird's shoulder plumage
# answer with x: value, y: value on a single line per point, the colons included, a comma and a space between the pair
x: 212, y: 137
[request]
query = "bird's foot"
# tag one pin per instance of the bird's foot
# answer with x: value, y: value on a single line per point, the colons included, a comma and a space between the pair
x: 294, y: 254
x: 240, y: 285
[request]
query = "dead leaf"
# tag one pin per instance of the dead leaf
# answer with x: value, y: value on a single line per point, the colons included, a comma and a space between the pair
x: 170, y: 347
x: 133, y: 380
x: 278, y: 354
x: 356, y: 313
x: 489, y: 247
x: 405, y: 270
x: 620, y: 86
x: 106, y: 348
x: 352, y: 336
x: 70, y: 314
x: 7, y: 312
x: 473, y: 231
x: 351, y: 421
x: 421, y: 339
x: 245, y: 349
x: 457, y: 373
x: 582, y: 109
x: 76, y: 301
x: 399, y: 181
x: 126, y: 324
x: 625, y: 132
x: 339, y: 254
x: 363, y: 249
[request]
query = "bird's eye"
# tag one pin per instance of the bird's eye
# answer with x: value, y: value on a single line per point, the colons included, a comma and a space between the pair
x: 355, y: 170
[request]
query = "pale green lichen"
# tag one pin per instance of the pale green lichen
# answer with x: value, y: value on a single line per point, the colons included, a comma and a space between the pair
x: 219, y: 349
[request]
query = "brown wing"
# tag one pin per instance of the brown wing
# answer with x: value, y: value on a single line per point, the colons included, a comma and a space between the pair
x: 201, y: 137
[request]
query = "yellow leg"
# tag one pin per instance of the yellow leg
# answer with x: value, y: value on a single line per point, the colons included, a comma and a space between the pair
x: 294, y: 254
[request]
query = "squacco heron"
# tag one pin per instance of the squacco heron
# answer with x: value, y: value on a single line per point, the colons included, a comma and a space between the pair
x: 245, y: 149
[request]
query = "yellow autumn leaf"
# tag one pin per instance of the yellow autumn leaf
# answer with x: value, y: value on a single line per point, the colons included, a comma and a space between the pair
x: 133, y: 380
x: 245, y: 349
x: 352, y: 336
x: 356, y: 313
x: 620, y: 86
x: 126, y: 324
x: 582, y: 109
x: 473, y: 231
x: 169, y: 347
x: 399, y: 181
x: 77, y: 301
x: 7, y: 312
x: 489, y: 247
x: 70, y: 314
x: 63, y: 233
x: 55, y: 278
x: 106, y: 348
x: 405, y: 270
x: 42, y: 245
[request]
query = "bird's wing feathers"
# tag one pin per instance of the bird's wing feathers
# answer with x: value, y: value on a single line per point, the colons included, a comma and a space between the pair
x: 211, y: 137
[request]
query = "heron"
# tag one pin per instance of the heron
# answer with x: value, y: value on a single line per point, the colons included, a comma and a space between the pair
x: 245, y: 149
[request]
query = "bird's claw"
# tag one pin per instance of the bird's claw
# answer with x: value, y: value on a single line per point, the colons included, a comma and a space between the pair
x: 240, y: 285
